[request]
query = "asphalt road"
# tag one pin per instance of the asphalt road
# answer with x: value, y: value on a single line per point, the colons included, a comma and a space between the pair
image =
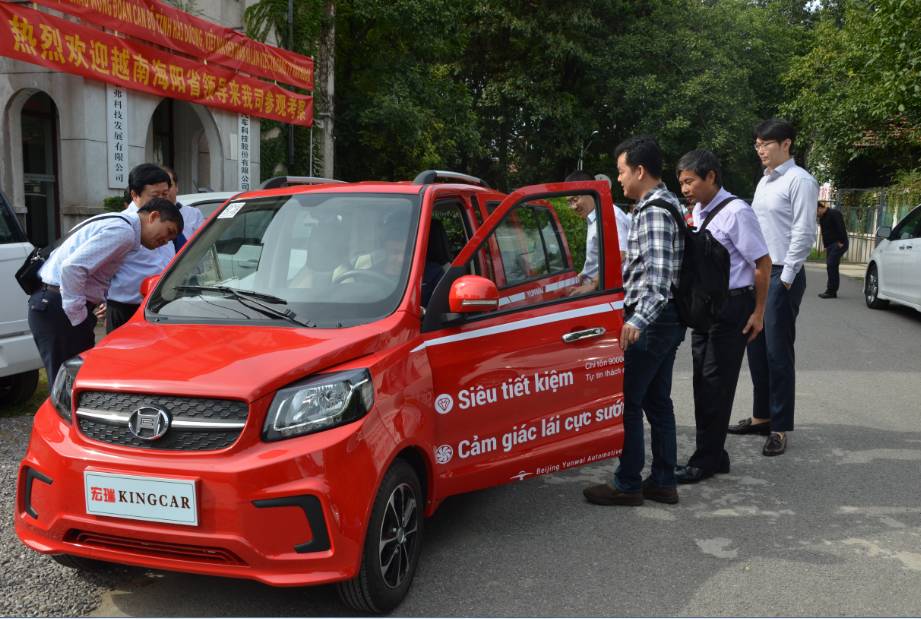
x: 833, y: 527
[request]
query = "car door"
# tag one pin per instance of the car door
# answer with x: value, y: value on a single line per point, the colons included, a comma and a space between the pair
x: 911, y: 260
x: 897, y: 258
x: 535, y: 385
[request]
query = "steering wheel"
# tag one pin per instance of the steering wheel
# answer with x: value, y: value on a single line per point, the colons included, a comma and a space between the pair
x: 367, y: 274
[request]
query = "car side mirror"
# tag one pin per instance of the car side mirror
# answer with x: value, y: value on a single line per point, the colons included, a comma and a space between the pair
x: 472, y: 293
x: 883, y: 232
x: 148, y: 284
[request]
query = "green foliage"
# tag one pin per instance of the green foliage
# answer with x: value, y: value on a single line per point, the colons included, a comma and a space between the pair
x: 857, y: 91
x: 114, y: 203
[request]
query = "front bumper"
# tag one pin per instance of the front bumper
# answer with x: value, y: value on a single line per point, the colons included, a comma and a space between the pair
x: 288, y: 513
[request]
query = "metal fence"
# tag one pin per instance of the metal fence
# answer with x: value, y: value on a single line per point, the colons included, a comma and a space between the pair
x: 865, y: 210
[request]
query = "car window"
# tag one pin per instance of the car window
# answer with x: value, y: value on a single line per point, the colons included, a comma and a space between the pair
x: 207, y: 208
x: 910, y: 227
x: 10, y: 232
x: 328, y: 260
x: 531, y: 258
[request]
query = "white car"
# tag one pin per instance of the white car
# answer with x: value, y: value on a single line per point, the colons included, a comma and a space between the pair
x: 207, y: 203
x: 894, y: 269
x: 19, y: 358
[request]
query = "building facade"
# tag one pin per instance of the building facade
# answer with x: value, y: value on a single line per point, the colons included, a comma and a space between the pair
x: 55, y: 140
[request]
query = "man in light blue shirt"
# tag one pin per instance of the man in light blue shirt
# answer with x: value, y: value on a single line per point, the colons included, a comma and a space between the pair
x: 77, y: 274
x: 785, y: 203
x: 191, y: 216
x: 145, y: 182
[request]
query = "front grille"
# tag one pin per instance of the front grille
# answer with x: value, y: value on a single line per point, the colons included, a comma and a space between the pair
x: 182, y: 552
x: 197, y: 424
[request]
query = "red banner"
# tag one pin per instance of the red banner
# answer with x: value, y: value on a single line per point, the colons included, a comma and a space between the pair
x: 155, y: 22
x: 48, y: 41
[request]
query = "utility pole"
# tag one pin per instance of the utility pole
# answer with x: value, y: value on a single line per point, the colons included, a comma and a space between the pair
x: 290, y: 48
x: 325, y: 93
x: 585, y: 145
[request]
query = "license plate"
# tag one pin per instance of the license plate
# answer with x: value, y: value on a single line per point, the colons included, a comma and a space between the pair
x: 154, y: 499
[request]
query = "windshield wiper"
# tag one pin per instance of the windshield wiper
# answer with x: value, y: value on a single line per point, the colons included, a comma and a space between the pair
x: 251, y: 299
x: 235, y: 292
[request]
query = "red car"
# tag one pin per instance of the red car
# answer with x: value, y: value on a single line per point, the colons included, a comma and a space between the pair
x: 316, y: 371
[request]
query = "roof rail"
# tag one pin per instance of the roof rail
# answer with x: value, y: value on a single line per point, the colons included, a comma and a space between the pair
x: 288, y: 181
x: 444, y: 176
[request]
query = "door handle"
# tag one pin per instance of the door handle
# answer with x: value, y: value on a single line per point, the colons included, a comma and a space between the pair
x: 587, y: 334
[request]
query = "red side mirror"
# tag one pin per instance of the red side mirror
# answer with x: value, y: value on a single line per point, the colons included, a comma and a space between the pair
x: 472, y: 293
x: 148, y: 284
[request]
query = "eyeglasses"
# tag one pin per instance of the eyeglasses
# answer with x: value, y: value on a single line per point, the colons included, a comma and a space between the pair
x: 763, y: 145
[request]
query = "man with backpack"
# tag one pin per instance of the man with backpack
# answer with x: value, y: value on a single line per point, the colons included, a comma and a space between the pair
x: 76, y: 275
x: 651, y: 332
x: 717, y: 351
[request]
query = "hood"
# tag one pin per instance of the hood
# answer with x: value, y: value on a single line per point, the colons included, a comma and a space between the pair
x: 222, y: 361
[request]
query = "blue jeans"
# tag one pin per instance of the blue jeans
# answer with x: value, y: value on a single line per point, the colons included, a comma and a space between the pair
x: 648, y: 367
x: 771, y: 356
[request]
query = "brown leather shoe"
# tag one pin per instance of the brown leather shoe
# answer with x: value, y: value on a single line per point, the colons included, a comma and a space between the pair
x: 745, y: 426
x: 659, y: 494
x: 604, y: 494
x: 775, y: 445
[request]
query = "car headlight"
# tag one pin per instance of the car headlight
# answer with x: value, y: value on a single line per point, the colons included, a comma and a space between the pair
x: 319, y: 403
x: 62, y: 391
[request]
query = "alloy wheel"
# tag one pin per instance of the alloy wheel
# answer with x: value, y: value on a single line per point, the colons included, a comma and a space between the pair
x: 398, y: 535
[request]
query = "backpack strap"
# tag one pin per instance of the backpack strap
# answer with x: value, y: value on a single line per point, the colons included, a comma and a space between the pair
x: 668, y: 206
x: 716, y: 210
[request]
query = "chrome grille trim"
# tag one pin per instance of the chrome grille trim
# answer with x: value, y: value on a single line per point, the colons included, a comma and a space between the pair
x: 115, y: 417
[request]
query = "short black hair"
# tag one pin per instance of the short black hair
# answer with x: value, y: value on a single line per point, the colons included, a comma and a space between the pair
x: 146, y: 174
x: 700, y: 162
x: 168, y: 211
x: 579, y: 175
x: 172, y: 174
x: 775, y: 129
x: 642, y: 150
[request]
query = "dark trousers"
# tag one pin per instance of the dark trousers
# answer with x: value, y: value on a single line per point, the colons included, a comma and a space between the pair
x: 771, y: 356
x: 833, y: 255
x: 118, y: 313
x: 58, y: 340
x: 717, y: 355
x: 648, y: 367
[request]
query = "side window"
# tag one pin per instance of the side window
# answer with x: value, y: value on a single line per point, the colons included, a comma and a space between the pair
x: 451, y: 217
x: 9, y: 227
x: 530, y: 253
x: 910, y: 228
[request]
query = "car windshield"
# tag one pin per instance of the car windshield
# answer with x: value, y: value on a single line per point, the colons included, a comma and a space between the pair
x: 318, y: 260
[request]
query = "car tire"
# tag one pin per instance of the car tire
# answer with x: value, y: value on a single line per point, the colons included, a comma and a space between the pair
x: 392, y: 546
x: 18, y: 388
x: 871, y: 289
x: 82, y: 564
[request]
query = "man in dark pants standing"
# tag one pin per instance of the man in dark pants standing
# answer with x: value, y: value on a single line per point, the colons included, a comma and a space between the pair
x: 651, y: 333
x: 834, y: 238
x: 76, y: 275
x: 785, y: 203
x: 718, y: 352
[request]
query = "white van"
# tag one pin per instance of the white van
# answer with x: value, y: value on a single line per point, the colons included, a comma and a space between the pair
x: 19, y: 359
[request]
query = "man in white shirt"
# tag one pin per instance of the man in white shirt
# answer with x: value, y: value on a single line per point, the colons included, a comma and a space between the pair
x: 145, y: 182
x: 785, y: 203
x: 584, y: 206
x: 77, y: 274
x: 191, y: 215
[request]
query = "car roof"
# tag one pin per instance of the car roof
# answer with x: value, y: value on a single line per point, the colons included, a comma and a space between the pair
x: 191, y: 199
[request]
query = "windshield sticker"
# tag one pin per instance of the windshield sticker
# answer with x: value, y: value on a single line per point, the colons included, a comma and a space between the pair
x: 231, y: 210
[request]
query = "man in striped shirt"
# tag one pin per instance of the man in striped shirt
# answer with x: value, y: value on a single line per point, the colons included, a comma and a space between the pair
x: 651, y: 332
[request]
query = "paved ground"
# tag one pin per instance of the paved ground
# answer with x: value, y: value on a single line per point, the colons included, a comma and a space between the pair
x: 833, y: 527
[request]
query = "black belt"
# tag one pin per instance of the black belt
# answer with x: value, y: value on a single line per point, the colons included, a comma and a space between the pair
x: 734, y: 292
x: 51, y: 288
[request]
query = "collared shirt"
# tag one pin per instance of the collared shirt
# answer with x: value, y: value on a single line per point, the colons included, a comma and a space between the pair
x: 192, y: 219
x: 137, y: 266
x: 85, y: 262
x: 654, y: 252
x: 736, y: 228
x: 590, y: 269
x: 785, y: 203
